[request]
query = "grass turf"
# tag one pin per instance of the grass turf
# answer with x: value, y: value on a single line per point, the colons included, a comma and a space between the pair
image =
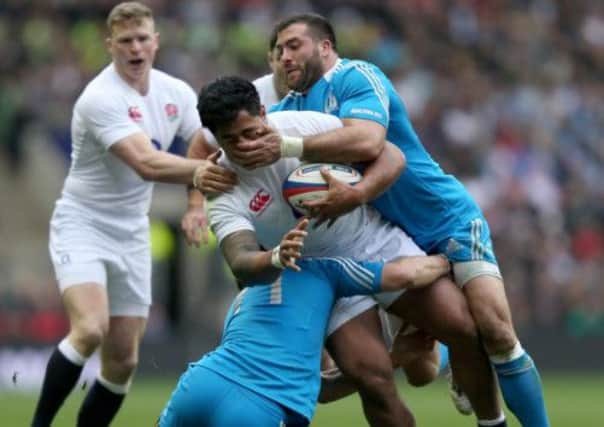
x: 572, y: 401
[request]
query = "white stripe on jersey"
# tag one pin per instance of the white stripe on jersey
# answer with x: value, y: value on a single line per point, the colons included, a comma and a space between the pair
x: 357, y: 273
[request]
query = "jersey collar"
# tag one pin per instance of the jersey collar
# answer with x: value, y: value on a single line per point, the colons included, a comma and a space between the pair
x: 328, y: 75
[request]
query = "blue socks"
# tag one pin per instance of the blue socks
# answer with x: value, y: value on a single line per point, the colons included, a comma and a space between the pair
x: 521, y: 387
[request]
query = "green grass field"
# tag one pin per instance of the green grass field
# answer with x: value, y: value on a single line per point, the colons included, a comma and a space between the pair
x: 573, y: 401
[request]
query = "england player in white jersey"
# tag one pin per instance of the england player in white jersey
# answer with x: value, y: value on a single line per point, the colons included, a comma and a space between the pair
x: 230, y: 107
x: 122, y: 125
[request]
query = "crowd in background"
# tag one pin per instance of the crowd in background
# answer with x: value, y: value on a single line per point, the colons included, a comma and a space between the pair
x: 508, y: 95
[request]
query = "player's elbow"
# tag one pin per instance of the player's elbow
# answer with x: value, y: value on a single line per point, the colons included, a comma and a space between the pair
x: 370, y: 149
x: 147, y: 173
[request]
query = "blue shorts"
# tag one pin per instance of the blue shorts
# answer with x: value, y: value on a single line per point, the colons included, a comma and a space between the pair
x: 472, y: 242
x: 215, y: 401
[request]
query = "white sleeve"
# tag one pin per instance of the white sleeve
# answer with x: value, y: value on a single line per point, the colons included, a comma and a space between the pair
x: 191, y: 122
x: 106, y: 118
x: 303, y: 123
x: 227, y: 215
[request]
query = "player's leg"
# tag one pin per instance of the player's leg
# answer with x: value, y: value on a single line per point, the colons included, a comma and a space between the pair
x: 476, y: 272
x: 417, y: 354
x: 129, y: 292
x: 87, y: 310
x: 442, y: 311
x: 119, y: 358
x: 518, y: 378
x: 358, y: 348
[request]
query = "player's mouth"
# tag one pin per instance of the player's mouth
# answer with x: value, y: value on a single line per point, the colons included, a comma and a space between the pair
x: 136, y: 62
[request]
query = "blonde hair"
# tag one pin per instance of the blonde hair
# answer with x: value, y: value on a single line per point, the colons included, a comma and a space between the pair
x: 126, y: 11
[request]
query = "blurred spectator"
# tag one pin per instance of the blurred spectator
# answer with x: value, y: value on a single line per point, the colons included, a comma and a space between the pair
x: 506, y: 95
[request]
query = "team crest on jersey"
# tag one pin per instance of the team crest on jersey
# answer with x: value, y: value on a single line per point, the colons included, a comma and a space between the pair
x: 171, y: 111
x: 260, y: 201
x: 331, y: 103
x: 135, y: 114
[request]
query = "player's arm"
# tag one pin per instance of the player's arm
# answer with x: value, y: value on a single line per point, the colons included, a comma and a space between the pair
x: 194, y: 221
x: 342, y: 198
x: 359, y: 140
x: 413, y: 272
x: 150, y: 164
x: 252, y: 265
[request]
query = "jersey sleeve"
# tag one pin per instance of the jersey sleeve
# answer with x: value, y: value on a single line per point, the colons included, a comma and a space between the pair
x: 191, y: 122
x: 106, y: 117
x: 362, y: 93
x: 227, y: 216
x: 303, y: 123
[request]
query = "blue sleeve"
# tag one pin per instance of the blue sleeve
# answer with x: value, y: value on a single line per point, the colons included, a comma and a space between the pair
x: 362, y: 94
x: 352, y: 277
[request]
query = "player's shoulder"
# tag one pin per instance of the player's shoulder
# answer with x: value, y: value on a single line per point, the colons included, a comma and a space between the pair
x: 353, y: 67
x: 168, y: 82
x: 263, y: 81
x: 103, y: 92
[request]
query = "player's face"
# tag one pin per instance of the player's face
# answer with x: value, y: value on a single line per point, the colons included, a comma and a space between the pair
x: 299, y: 55
x: 133, y: 45
x: 245, y: 127
x: 279, y: 76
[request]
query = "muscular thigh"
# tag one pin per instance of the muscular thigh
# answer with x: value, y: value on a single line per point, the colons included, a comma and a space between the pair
x: 440, y: 309
x: 358, y: 345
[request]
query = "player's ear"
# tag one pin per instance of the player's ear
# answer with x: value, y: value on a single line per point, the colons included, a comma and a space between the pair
x: 263, y: 112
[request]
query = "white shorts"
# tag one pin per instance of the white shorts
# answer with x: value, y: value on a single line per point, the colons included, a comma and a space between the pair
x: 347, y: 308
x: 114, y: 252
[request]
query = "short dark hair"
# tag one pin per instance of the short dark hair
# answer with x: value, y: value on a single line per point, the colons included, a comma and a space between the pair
x: 221, y: 101
x: 320, y: 28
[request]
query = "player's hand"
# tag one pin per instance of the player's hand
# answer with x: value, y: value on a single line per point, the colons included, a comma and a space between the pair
x: 210, y: 178
x: 194, y: 225
x: 263, y: 150
x: 340, y: 199
x: 292, y: 243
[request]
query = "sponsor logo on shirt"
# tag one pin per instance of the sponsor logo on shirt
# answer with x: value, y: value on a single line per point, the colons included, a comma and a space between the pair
x: 365, y: 111
x: 135, y: 114
x: 171, y: 111
x: 260, y: 201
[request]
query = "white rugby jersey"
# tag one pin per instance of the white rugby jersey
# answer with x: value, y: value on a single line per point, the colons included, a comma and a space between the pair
x: 257, y: 204
x: 266, y: 89
x: 109, y: 110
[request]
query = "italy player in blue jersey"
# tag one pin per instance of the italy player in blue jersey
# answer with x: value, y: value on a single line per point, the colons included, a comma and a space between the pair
x: 265, y: 372
x: 432, y: 206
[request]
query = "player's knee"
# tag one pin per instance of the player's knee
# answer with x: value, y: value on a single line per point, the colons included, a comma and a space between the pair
x: 88, y: 335
x: 497, y: 336
x: 421, y: 374
x: 121, y: 366
x: 374, y: 378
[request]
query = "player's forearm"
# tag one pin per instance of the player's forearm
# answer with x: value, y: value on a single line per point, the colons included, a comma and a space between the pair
x: 199, y: 148
x: 254, y: 268
x: 247, y: 261
x: 166, y: 167
x: 344, y: 145
x: 381, y: 173
x: 413, y: 272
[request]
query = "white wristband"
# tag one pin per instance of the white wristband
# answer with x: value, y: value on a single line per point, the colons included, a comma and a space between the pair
x: 276, y: 258
x: 292, y: 146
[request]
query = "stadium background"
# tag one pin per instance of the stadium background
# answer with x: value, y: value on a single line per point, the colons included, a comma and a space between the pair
x: 508, y: 95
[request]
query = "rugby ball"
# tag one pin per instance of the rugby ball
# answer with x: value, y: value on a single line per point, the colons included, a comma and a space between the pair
x: 306, y: 183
